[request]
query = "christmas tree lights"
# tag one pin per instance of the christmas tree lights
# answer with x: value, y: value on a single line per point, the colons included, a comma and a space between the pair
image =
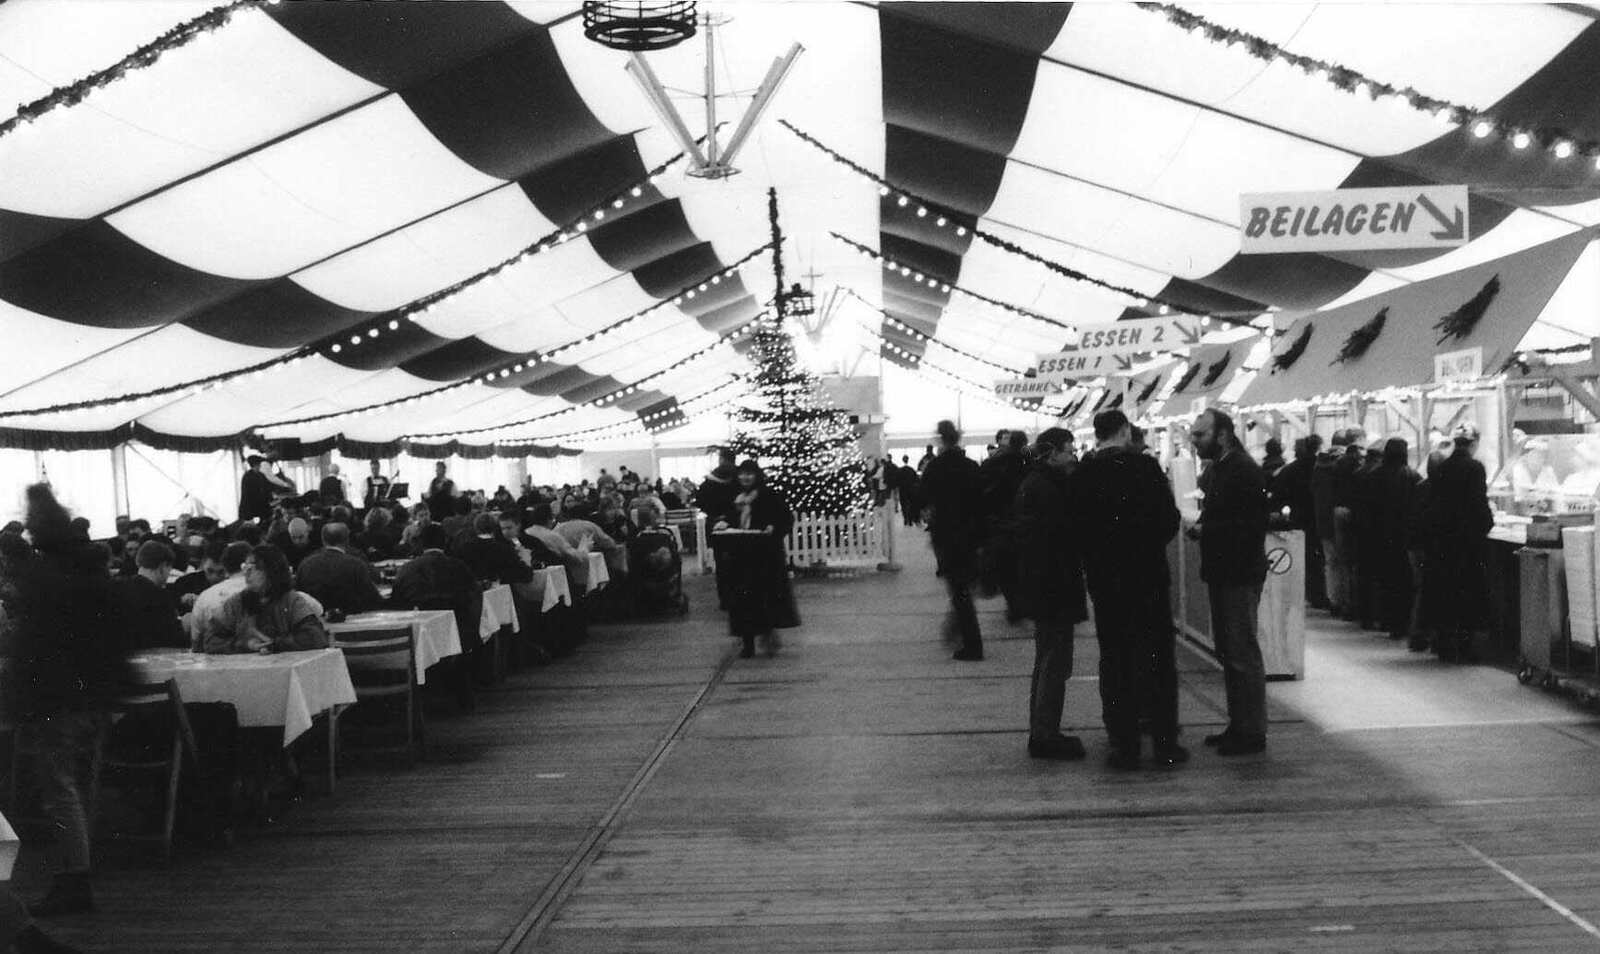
x: 806, y: 445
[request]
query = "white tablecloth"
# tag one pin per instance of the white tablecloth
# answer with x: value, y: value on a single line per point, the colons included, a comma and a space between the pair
x: 285, y: 689
x: 599, y: 574
x: 549, y: 588
x: 435, y: 632
x: 499, y: 609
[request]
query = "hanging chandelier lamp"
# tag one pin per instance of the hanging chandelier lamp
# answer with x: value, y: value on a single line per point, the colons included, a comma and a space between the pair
x: 638, y: 26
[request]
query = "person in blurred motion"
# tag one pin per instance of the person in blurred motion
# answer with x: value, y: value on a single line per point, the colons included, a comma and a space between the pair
x: 64, y: 659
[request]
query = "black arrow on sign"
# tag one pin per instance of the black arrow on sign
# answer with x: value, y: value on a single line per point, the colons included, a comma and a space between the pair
x: 1189, y: 337
x: 1452, y: 229
x: 1123, y: 364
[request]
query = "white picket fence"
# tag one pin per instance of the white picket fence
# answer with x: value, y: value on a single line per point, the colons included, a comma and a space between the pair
x: 863, y: 541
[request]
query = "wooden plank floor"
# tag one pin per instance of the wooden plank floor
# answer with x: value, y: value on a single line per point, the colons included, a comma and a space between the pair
x: 862, y: 792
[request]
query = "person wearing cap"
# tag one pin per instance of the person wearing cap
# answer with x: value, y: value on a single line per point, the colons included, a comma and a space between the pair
x: 1049, y: 587
x: 951, y: 491
x: 1233, y: 564
x: 1460, y: 519
x: 255, y: 490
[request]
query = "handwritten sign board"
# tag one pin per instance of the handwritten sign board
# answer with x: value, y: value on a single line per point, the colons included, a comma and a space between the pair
x: 1136, y: 336
x: 1026, y: 388
x: 1353, y: 219
x: 1453, y: 366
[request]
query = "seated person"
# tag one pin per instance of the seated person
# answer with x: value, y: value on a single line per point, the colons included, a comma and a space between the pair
x: 541, y: 528
x: 187, y: 588
x: 337, y: 578
x: 379, y: 539
x: 529, y: 551
x: 490, y: 556
x: 612, y: 519
x: 208, y: 605
x: 269, y: 614
x: 296, y: 541
x: 422, y: 533
x: 436, y: 580
x: 586, y: 536
x: 148, y: 619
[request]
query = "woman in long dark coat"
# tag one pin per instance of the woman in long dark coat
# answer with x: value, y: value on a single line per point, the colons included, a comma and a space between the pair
x: 760, y: 599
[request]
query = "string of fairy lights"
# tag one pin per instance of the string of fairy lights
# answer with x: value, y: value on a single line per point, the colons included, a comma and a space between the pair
x: 528, y: 360
x: 917, y: 362
x: 925, y: 338
x: 1558, y: 143
x: 944, y: 217
x: 390, y: 322
x: 603, y: 401
x: 659, y: 421
x: 892, y: 264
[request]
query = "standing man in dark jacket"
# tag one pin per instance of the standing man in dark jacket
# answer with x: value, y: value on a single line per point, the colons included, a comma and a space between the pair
x: 1001, y: 476
x: 1460, y: 519
x: 951, y: 492
x: 1291, y: 488
x: 1049, y: 588
x: 714, y: 497
x: 1233, y: 563
x: 1322, y: 483
x: 1395, y: 487
x: 1124, y: 516
x: 1345, y: 540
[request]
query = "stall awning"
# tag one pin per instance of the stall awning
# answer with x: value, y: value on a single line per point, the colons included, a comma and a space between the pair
x: 1493, y: 305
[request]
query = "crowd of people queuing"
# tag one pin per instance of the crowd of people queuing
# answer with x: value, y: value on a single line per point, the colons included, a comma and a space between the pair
x: 73, y: 609
x: 1390, y: 549
x: 1060, y: 535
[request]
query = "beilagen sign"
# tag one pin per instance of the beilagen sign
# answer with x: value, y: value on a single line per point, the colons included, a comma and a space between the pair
x: 1353, y: 220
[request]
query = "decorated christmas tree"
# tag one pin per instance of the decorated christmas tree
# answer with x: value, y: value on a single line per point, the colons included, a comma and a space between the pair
x: 805, y: 444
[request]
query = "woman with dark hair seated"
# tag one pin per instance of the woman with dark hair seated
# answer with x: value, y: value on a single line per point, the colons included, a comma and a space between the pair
x: 269, y: 615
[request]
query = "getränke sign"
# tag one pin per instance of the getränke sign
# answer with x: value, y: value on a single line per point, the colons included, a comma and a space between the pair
x: 1353, y: 219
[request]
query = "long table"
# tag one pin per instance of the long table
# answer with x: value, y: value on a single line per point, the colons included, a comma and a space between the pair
x: 434, y: 632
x: 280, y: 689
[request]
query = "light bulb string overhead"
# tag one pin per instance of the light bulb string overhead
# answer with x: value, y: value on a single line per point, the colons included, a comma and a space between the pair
x: 1560, y: 144
x: 917, y: 363
x: 390, y: 321
x: 948, y: 287
x: 945, y: 217
x: 906, y: 329
x: 605, y: 399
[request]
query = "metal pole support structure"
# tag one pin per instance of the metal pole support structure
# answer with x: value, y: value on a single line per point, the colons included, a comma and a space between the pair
x: 1569, y: 382
x: 890, y: 527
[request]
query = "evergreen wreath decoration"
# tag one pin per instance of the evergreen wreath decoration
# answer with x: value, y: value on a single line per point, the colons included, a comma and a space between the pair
x: 1216, y: 369
x: 1188, y: 376
x: 1285, y: 360
x: 1149, y: 389
x: 1459, y: 323
x: 1361, y: 339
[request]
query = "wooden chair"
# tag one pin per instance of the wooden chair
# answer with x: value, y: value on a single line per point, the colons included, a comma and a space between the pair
x: 383, y: 665
x: 150, y: 734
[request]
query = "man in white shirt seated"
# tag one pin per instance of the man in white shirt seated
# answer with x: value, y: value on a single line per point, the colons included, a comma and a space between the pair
x: 585, y: 536
x: 542, y: 527
x: 207, y: 610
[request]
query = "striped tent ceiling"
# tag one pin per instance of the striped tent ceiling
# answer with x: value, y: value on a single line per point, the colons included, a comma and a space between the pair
x: 299, y: 174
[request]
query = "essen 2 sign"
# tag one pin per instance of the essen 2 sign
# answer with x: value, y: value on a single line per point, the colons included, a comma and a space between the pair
x: 1104, y: 347
x: 1353, y: 219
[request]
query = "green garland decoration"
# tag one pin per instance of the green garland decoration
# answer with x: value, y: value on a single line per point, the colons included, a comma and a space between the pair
x: 1361, y: 339
x: 1285, y: 359
x: 1459, y: 323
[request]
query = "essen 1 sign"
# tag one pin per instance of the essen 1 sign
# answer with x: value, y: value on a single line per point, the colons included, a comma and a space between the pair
x: 1353, y: 219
